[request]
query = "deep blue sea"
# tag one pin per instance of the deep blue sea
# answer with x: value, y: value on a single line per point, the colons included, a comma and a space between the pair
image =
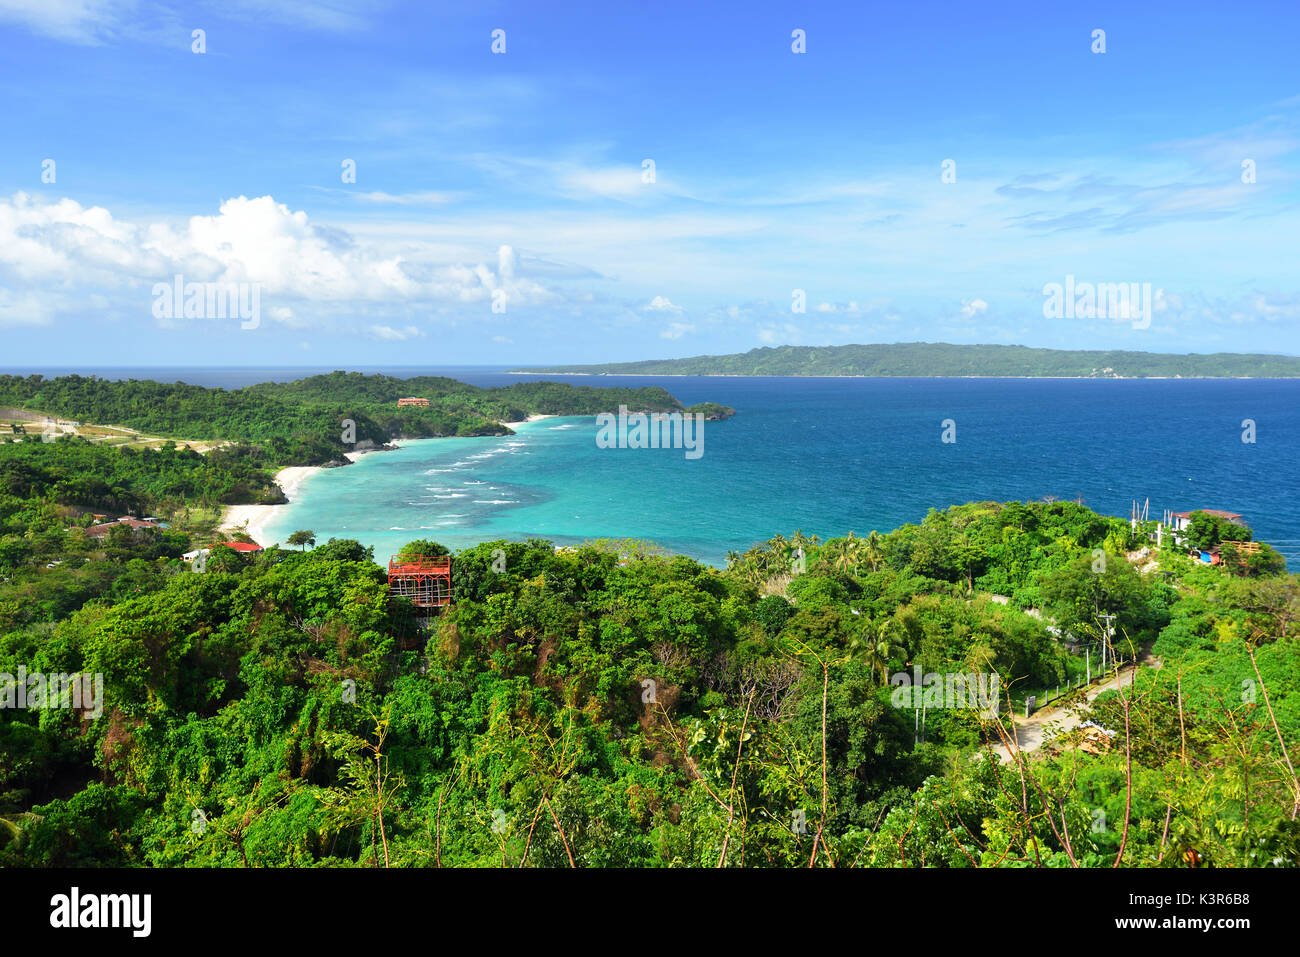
x: 824, y: 455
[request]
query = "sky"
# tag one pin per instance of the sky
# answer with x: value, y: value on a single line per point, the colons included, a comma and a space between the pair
x: 524, y: 183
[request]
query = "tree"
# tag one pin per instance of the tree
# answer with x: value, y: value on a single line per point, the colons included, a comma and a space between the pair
x: 423, y: 548
x: 876, y: 646
x: 303, y: 538
x: 370, y: 788
x: 1204, y: 531
x: 873, y: 549
x: 839, y: 554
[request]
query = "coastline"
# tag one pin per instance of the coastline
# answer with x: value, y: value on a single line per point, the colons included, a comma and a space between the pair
x: 253, y: 519
x: 531, y: 418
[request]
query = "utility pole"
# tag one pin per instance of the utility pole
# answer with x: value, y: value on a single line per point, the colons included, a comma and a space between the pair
x: 1110, y: 633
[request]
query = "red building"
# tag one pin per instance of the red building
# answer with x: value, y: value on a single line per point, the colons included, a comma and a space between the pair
x: 426, y: 581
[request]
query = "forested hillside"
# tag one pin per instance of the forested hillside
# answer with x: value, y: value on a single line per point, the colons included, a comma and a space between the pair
x: 611, y: 706
x: 301, y: 423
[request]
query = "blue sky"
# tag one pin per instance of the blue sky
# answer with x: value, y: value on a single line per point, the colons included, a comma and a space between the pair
x: 520, y: 175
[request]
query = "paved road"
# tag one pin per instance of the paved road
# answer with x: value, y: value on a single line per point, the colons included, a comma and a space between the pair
x: 1030, y: 731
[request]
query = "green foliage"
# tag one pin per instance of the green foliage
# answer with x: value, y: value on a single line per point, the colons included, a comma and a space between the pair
x: 612, y: 705
x: 1204, y: 531
x: 302, y: 422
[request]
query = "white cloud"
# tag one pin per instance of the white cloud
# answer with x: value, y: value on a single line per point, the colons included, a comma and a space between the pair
x: 389, y: 334
x: 87, y: 22
x: 62, y: 246
x: 335, y: 16
x: 970, y: 308
x: 617, y: 182
x: 93, y: 22
x: 25, y: 309
x: 676, y: 330
x: 662, y: 304
x: 426, y: 198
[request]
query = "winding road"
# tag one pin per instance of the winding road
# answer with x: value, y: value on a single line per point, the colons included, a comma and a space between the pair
x: 1031, y: 731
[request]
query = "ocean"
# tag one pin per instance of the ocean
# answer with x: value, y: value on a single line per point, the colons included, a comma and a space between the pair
x: 824, y: 455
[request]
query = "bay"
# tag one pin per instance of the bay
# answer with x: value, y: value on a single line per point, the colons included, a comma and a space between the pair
x: 829, y: 456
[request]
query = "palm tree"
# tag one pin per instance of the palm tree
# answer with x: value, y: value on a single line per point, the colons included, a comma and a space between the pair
x: 839, y: 554
x: 872, y: 549
x: 877, y: 647
x: 778, y: 558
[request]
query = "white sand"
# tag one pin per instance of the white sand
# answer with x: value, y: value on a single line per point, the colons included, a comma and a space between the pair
x: 531, y: 418
x: 252, y: 519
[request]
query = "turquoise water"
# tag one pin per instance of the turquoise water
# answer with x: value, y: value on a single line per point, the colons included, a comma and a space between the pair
x: 827, y: 456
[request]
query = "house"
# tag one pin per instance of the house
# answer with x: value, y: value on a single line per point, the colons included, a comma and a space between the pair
x: 202, y: 553
x: 247, y: 547
x: 1180, y: 520
x: 135, y: 524
x: 412, y: 401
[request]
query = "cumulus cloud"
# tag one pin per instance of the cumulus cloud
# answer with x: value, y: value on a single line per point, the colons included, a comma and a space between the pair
x: 61, y: 246
x: 970, y: 308
x: 662, y: 304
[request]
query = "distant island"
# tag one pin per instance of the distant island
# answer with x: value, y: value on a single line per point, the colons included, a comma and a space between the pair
x: 941, y: 359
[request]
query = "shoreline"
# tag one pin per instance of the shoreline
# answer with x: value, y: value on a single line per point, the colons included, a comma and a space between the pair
x: 532, y: 418
x: 253, y: 519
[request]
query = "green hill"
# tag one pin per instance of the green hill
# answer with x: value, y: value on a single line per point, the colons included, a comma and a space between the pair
x: 945, y: 359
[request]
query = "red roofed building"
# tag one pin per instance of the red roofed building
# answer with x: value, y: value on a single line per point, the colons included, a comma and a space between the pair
x: 426, y: 581
x: 241, y: 546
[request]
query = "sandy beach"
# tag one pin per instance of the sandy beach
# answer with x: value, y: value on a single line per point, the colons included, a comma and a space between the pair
x: 531, y: 418
x: 252, y: 519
